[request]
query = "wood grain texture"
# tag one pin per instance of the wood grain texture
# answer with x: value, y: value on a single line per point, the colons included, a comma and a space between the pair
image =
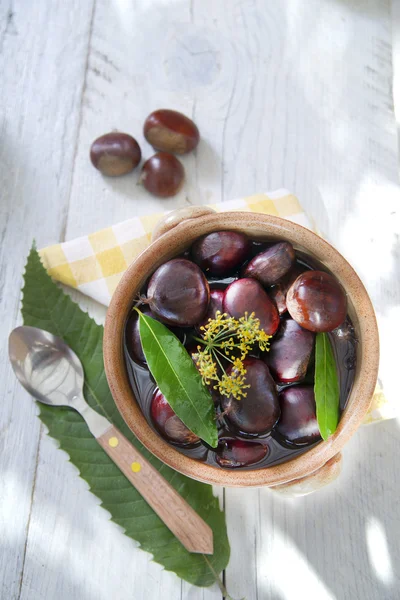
x: 173, y: 510
x: 294, y: 94
x: 39, y: 114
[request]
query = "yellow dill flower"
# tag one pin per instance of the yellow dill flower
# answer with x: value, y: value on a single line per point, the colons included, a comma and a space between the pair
x: 220, y: 336
x: 206, y: 366
x: 233, y: 385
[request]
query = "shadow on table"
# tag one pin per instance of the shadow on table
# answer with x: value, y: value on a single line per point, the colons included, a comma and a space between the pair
x: 340, y: 542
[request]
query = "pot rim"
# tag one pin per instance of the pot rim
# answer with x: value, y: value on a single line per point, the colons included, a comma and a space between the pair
x: 260, y: 225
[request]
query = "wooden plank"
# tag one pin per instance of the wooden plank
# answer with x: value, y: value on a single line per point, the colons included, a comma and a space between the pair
x: 41, y: 79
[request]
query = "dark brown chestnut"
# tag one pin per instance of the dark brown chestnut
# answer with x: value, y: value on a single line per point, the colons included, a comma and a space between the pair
x: 178, y: 293
x: 233, y: 453
x: 259, y: 410
x: 272, y: 264
x: 247, y: 295
x: 171, y: 131
x: 298, y: 423
x: 290, y: 352
x: 219, y: 252
x: 115, y: 154
x: 278, y: 292
x: 317, y: 302
x: 215, y: 304
x: 162, y: 175
x: 168, y: 423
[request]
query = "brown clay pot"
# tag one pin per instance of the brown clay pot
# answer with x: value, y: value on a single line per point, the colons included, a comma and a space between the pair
x: 172, y: 236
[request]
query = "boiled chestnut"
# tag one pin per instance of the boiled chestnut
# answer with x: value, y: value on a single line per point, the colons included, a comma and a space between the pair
x: 298, y: 423
x: 115, y: 154
x: 168, y: 423
x: 259, y: 410
x: 290, y: 352
x: 171, y: 131
x: 220, y: 252
x: 272, y: 264
x: 247, y: 295
x: 233, y: 453
x: 178, y: 293
x: 162, y: 175
x: 317, y: 302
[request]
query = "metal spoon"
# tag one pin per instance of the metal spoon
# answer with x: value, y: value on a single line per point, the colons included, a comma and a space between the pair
x: 52, y: 373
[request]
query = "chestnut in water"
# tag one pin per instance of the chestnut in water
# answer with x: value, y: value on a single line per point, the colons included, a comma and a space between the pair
x: 272, y: 264
x: 259, y: 410
x: 162, y: 175
x: 278, y: 292
x: 298, y: 423
x: 220, y: 252
x: 168, y: 423
x: 215, y: 304
x: 178, y: 293
x: 247, y: 295
x: 115, y: 154
x: 132, y: 334
x: 290, y: 352
x: 171, y: 131
x: 233, y: 453
x: 317, y: 301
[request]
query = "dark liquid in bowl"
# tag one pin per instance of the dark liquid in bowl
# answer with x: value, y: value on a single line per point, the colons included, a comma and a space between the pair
x: 344, y: 345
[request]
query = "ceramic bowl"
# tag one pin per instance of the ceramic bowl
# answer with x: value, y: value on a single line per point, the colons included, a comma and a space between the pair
x: 171, y: 237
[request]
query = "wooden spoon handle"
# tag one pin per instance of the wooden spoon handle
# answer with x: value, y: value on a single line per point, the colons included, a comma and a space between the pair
x: 173, y: 510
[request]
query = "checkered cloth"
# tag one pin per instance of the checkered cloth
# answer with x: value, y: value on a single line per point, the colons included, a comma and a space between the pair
x: 95, y: 263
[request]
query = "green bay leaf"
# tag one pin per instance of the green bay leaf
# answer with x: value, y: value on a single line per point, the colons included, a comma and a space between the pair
x: 326, y: 386
x: 45, y: 305
x: 178, y: 379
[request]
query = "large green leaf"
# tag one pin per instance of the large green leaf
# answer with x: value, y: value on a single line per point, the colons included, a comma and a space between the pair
x: 326, y: 386
x: 46, y: 306
x: 178, y: 379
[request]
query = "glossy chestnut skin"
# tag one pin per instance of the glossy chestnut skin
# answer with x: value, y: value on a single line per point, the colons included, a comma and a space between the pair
x: 270, y: 266
x: 290, y: 352
x: 220, y: 252
x: 317, y: 302
x: 258, y: 412
x: 232, y: 453
x: 278, y: 292
x: 132, y: 335
x: 215, y: 304
x: 171, y: 131
x: 115, y: 154
x: 298, y: 423
x: 162, y: 175
x: 178, y: 293
x: 168, y: 424
x: 247, y: 295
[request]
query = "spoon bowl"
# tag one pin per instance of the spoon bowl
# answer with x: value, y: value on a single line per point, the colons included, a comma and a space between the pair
x: 47, y: 368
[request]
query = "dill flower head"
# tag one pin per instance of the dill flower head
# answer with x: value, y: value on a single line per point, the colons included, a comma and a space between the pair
x: 223, y: 338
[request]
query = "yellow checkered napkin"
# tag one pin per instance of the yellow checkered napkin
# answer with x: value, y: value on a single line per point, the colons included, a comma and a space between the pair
x: 95, y: 263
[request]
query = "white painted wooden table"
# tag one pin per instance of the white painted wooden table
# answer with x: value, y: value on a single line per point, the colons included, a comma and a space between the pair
x: 289, y: 93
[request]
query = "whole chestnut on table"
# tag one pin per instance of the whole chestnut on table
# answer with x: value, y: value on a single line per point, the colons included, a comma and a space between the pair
x: 115, y: 154
x: 171, y: 131
x: 162, y: 175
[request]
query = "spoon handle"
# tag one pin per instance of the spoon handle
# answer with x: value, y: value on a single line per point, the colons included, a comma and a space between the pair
x: 173, y: 510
